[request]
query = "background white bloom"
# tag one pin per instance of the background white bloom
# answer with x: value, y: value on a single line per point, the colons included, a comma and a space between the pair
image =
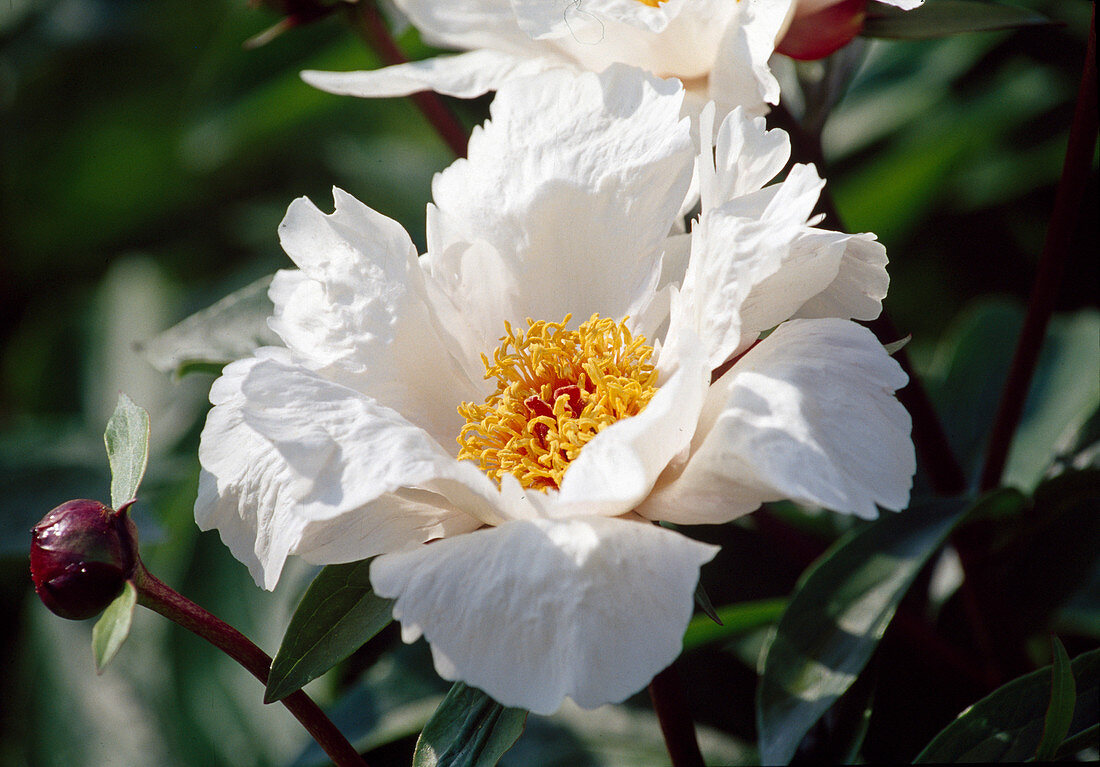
x: 719, y: 49
x: 543, y: 580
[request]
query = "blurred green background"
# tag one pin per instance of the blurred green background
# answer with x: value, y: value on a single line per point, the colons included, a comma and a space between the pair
x: 146, y: 159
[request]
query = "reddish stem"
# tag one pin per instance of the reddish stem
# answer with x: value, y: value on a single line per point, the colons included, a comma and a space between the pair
x: 155, y: 595
x: 372, y: 27
x: 667, y: 693
x: 1076, y: 170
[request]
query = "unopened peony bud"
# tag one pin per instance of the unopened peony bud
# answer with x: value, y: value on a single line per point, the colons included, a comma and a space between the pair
x: 821, y: 27
x: 82, y: 553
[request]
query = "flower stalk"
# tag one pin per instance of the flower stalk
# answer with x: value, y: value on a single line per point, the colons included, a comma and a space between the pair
x: 370, y: 25
x: 155, y: 595
x: 666, y: 691
x: 1076, y: 170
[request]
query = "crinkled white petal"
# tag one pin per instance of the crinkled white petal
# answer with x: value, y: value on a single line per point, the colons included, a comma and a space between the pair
x: 741, y: 75
x: 685, y: 48
x: 736, y: 249
x: 575, y: 209
x: 471, y: 24
x: 807, y: 414
x: 616, y: 470
x: 861, y: 282
x: 534, y: 611
x: 358, y: 312
x: 253, y: 495
x: 346, y: 449
x: 746, y: 156
x: 560, y: 18
x: 465, y: 75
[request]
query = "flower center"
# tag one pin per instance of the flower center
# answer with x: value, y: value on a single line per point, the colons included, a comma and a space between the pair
x: 651, y: 3
x: 556, y: 390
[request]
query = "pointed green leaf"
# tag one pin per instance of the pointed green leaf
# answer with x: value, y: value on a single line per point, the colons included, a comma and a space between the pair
x: 894, y: 347
x: 127, y: 441
x: 837, y: 615
x: 228, y: 330
x: 1063, y: 694
x: 940, y: 18
x: 112, y: 628
x: 702, y: 599
x: 338, y: 613
x: 732, y: 621
x: 1007, y: 725
x: 469, y: 729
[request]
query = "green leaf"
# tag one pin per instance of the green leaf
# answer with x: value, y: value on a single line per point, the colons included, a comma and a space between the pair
x: 1063, y: 692
x: 227, y: 331
x: 731, y: 621
x: 127, y: 441
x: 112, y: 628
x: 968, y: 371
x: 838, y: 614
x: 469, y: 729
x: 894, y: 347
x: 1064, y: 393
x: 940, y: 18
x: 338, y: 613
x: 1007, y: 725
x: 702, y: 599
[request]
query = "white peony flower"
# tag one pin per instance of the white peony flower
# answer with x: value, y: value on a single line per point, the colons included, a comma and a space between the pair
x: 719, y: 49
x: 500, y: 419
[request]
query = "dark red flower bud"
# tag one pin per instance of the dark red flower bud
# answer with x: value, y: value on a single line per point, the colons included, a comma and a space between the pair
x: 823, y: 29
x: 82, y: 553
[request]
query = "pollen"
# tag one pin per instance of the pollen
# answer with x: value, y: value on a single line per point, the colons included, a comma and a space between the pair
x: 556, y: 390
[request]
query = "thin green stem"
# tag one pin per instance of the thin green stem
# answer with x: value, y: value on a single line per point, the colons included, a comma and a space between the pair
x: 1076, y: 170
x: 155, y: 595
x: 370, y: 25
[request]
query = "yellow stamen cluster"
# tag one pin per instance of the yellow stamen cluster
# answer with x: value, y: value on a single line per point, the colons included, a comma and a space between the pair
x: 651, y: 3
x: 556, y: 390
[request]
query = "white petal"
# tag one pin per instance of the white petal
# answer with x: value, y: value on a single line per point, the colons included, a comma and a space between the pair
x: 905, y: 5
x: 534, y: 611
x: 250, y: 493
x: 346, y: 449
x: 616, y: 470
x: 746, y: 156
x: 469, y: 25
x: 359, y: 313
x: 570, y: 212
x: 741, y: 75
x: 746, y: 273
x: 861, y: 282
x: 464, y: 76
x: 558, y: 18
x: 576, y: 207
x: 808, y: 414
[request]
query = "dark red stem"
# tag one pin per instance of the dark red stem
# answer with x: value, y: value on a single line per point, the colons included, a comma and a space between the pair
x: 1067, y: 210
x: 372, y: 27
x: 155, y: 595
x: 667, y: 693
